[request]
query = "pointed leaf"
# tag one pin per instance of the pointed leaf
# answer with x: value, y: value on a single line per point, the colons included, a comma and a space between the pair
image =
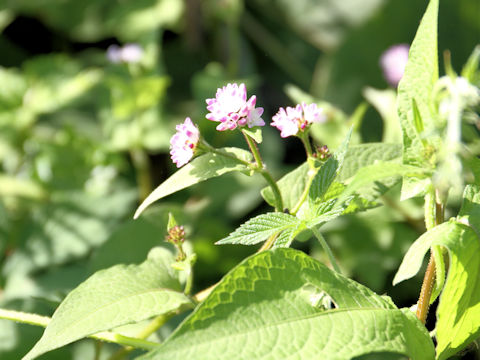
x: 199, y: 169
x: 417, y: 84
x: 269, y: 307
x: 260, y: 228
x: 113, y: 297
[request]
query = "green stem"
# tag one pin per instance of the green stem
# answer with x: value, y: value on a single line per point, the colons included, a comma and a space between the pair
x: 266, y: 175
x: 303, y: 135
x: 38, y: 320
x: 254, y: 149
x: 311, y: 175
x: 326, y: 248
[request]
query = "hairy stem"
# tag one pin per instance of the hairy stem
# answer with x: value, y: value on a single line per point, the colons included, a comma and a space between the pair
x: 434, y: 215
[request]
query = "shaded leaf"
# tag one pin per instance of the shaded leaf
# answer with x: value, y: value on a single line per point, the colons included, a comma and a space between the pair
x: 110, y: 298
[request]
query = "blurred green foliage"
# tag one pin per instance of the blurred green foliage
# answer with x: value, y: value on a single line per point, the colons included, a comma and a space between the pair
x: 83, y: 140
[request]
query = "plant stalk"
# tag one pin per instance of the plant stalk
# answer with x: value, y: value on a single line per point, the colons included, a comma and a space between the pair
x: 266, y: 175
x: 38, y: 320
x: 434, y: 215
x: 326, y: 248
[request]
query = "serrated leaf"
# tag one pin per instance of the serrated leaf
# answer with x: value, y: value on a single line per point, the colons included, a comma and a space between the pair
x: 286, y: 237
x: 325, y: 177
x: 291, y: 187
x: 267, y: 307
x: 322, y: 181
x: 417, y: 84
x: 199, y: 169
x: 458, y: 311
x: 113, y: 297
x: 260, y: 228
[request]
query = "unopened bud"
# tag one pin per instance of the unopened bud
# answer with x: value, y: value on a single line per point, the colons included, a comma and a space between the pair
x: 323, y: 152
x: 176, y: 235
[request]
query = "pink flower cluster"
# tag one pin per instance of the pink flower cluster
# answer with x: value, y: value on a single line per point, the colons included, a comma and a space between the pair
x: 184, y: 142
x: 231, y: 109
x: 291, y: 120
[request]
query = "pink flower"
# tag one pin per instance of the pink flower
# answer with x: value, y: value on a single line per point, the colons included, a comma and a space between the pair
x: 184, y: 142
x: 393, y: 62
x: 231, y: 108
x: 290, y: 120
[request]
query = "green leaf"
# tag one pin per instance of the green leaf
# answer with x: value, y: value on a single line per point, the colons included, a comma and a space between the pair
x: 328, y: 172
x: 113, y: 297
x: 199, y: 169
x: 458, y: 311
x: 376, y: 172
x: 359, y: 156
x: 470, y: 210
x: 417, y: 83
x: 470, y: 69
x: 271, y: 306
x: 260, y: 228
x: 291, y: 187
x: 288, y: 235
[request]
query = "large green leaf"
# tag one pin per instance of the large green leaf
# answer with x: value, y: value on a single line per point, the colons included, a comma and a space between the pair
x: 416, y: 85
x: 110, y: 298
x: 275, y: 305
x: 459, y: 308
x: 200, y: 169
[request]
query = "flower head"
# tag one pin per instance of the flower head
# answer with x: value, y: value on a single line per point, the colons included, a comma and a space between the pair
x: 290, y: 120
x: 231, y: 108
x: 184, y: 142
x: 393, y: 62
